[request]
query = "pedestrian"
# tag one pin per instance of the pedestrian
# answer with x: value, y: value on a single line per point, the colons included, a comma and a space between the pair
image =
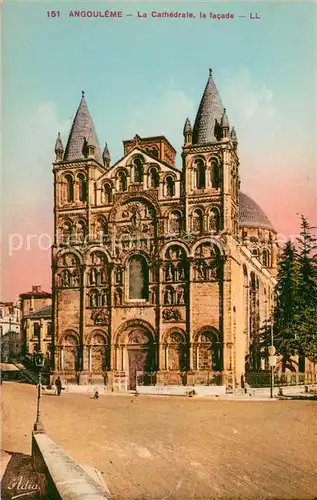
x: 96, y: 395
x: 58, y: 385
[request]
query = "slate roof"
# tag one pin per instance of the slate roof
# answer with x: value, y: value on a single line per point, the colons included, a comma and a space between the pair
x: 251, y: 215
x: 82, y: 127
x: 43, y: 312
x: 210, y: 110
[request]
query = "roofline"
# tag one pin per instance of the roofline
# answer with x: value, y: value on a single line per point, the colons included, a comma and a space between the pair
x: 80, y: 160
x: 146, y: 153
x: 36, y: 294
x: 151, y: 138
x: 257, y: 225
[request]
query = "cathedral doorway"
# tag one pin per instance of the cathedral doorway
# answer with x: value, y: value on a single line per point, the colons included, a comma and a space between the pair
x: 140, y: 357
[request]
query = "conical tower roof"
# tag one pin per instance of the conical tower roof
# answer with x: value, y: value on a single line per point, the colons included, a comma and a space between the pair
x: 106, y: 153
x: 59, y: 145
x: 82, y: 128
x: 224, y: 119
x: 209, y: 113
x: 187, y: 126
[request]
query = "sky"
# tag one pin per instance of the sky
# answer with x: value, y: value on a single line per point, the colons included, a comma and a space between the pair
x: 145, y: 75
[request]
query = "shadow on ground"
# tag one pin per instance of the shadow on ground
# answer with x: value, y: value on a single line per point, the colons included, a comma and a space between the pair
x: 20, y: 481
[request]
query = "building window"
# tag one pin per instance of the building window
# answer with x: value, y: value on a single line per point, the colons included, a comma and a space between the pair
x: 215, y: 177
x: 138, y: 278
x: 82, y: 187
x: 122, y: 184
x: 266, y: 258
x: 69, y: 188
x: 170, y: 186
x: 201, y: 174
x: 154, y: 178
x: 107, y: 193
x: 138, y: 170
x: 49, y: 329
x: 1, y: 313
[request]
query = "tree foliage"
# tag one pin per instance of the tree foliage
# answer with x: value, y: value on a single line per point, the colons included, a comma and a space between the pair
x: 295, y: 312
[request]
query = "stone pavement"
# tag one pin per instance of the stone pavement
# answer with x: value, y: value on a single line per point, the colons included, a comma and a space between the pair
x: 176, y: 448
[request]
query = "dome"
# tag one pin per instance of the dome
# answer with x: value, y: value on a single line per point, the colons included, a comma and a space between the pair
x: 251, y: 215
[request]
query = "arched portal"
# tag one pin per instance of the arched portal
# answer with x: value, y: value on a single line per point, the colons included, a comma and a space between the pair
x: 98, y: 358
x: 69, y: 353
x: 135, y: 354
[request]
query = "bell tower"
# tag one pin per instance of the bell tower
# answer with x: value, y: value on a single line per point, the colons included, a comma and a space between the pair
x: 211, y: 166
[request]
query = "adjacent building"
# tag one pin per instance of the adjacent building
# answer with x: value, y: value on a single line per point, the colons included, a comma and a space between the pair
x: 10, y: 338
x: 159, y: 273
x: 36, y: 321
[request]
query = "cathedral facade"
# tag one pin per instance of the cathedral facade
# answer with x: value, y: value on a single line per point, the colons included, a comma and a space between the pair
x: 161, y: 275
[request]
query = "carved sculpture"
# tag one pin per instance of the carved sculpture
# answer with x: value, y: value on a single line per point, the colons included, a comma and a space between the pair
x: 171, y: 315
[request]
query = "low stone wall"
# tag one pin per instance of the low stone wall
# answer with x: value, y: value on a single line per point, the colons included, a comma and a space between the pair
x: 286, y: 390
x: 65, y: 479
x: 182, y: 390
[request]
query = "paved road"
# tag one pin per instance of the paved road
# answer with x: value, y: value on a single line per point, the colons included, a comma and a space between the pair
x: 161, y: 448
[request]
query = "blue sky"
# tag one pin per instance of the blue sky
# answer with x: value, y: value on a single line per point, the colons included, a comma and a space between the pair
x: 146, y: 76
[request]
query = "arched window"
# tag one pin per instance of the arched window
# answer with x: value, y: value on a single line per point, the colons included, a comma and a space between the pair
x: 176, y: 352
x: 208, y: 357
x: 122, y: 184
x: 107, y: 194
x: 214, y: 220
x: 170, y: 186
x: 197, y: 221
x: 266, y: 258
x: 138, y: 278
x: 69, y: 188
x: 82, y: 187
x: 154, y: 178
x: 201, y: 174
x: 255, y: 251
x: 138, y: 170
x: 215, y: 177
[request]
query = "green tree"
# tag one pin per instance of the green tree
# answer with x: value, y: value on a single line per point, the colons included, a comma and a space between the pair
x: 286, y: 313
x: 307, y: 292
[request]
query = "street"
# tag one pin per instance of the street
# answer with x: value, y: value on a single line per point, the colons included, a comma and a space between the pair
x: 175, y: 448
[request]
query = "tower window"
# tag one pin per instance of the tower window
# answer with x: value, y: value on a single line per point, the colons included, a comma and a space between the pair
x: 69, y: 188
x: 82, y: 187
x: 201, y: 174
x: 138, y: 278
x: 215, y: 177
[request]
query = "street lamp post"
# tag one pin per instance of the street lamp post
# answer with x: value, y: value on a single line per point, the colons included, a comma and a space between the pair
x: 272, y: 359
x: 39, y: 362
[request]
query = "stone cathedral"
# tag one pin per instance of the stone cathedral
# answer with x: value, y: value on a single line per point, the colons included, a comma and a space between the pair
x: 161, y: 275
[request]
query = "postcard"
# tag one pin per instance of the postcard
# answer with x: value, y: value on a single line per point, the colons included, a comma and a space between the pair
x: 158, y: 291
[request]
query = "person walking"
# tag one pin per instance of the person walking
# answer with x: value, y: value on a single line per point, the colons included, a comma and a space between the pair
x: 58, y: 385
